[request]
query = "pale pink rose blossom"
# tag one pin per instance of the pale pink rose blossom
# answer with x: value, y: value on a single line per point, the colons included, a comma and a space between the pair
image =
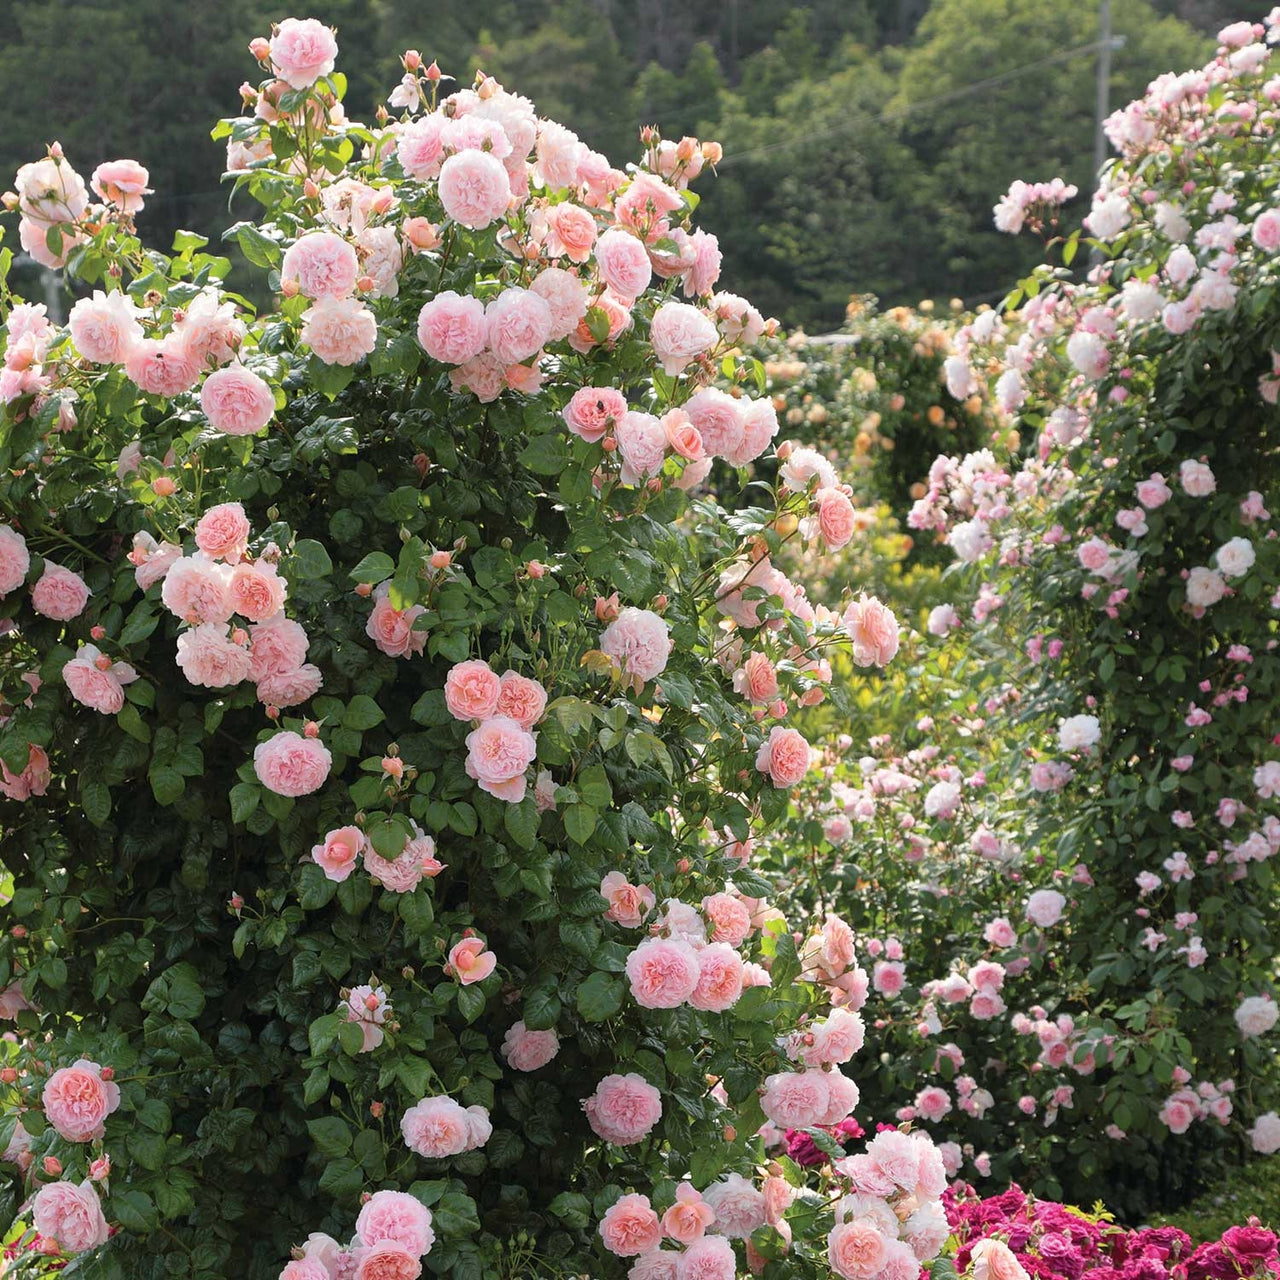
x: 15, y: 559
x: 397, y: 1217
x: 521, y: 699
x: 873, y: 630
x: 303, y: 50
x: 32, y: 781
x: 222, y: 533
x: 367, y: 1006
x: 630, y: 1227
x: 738, y: 1206
x: 628, y: 903
x: 663, y: 972
x: 784, y: 756
x: 278, y: 645
x: 796, y: 1099
x: 436, y: 1128
x: 452, y: 328
x: 623, y: 263
x: 720, y: 978
x: 527, y: 1050
x: 105, y: 326
x: 472, y: 690
x: 474, y: 189
x: 77, y: 1101
x: 392, y: 629
x: 208, y: 656
x: 708, y: 1258
x: 336, y: 856
x: 484, y: 376
x: 162, y: 366
x: 837, y: 520
x: 728, y: 917
x: 639, y: 642
x: 567, y: 297
x: 498, y: 754
x: 689, y: 1217
x: 322, y: 265
x: 420, y: 146
x: 642, y: 446
x: 680, y: 333
x: 71, y: 1215
x: 59, y: 593
x: 236, y: 401
x: 719, y: 419
x: 470, y: 961
x: 291, y: 765
x: 624, y: 1109
x: 518, y: 323
x: 1045, y: 907
x: 95, y: 681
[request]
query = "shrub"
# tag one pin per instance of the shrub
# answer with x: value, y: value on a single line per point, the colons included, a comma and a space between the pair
x: 380, y: 767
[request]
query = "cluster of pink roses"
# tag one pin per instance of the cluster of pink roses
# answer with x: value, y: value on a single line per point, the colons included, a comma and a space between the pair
x: 394, y: 1233
x: 337, y: 854
x: 504, y: 710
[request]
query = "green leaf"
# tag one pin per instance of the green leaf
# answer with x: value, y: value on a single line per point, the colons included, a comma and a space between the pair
x: 177, y: 992
x: 374, y: 568
x: 599, y: 997
x: 261, y: 251
x: 310, y: 559
x: 471, y: 1002
x: 388, y: 838
x: 139, y: 624
x: 572, y: 1208
x: 521, y: 821
x: 362, y: 713
x: 330, y: 1135
x: 132, y: 723
x: 95, y: 800
x: 167, y: 785
x: 455, y: 1215
x: 244, y: 800
x: 545, y: 455
x: 579, y: 822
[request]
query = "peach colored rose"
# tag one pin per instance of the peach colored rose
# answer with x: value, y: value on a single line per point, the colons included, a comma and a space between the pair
x: 522, y: 699
x: 77, y: 1101
x: 784, y: 756
x: 470, y: 961
x: 258, y: 592
x: 337, y: 854
x: 392, y: 629
x: 873, y: 630
x: 663, y: 972
x: 472, y: 690
x: 222, y: 533
x: 59, y: 593
x: 630, y: 1227
x: 628, y: 903
x: 688, y: 1219
x: 95, y: 681
x: 498, y: 753
x: 291, y: 765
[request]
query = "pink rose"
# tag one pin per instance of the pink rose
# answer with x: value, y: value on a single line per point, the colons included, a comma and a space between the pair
x: 484, y: 376
x: 498, y: 753
x: 15, y: 559
x: 729, y: 918
x: 258, y: 592
x: 420, y: 146
x: 105, y: 327
x: 628, y: 903
x: 210, y: 328
x: 642, y: 446
x: 71, y: 1215
x: 237, y: 401
x: 322, y: 264
x: 710, y: 1258
x: 720, y: 978
x: 474, y: 189
x: 95, y: 681
x: 1045, y: 907
x: 527, y: 1050
x: 679, y: 333
x: 337, y: 855
x: 392, y: 629
x: 198, y: 590
x: 663, y: 972
x: 162, y: 367
x: 630, y: 1227
x: 291, y: 765
x: 208, y: 656
x: 756, y: 679
x: 873, y: 630
x: 836, y: 520
x: 688, y: 1219
x: 59, y: 593
x: 77, y: 1101
x: 387, y: 1261
x: 518, y: 323
x: 624, y: 1109
x: 339, y: 330
x: 856, y: 1250
x: 887, y: 977
x: 472, y: 691
x: 571, y: 232
x: 638, y: 640
x: 222, y: 533
x: 436, y: 1127
x: 397, y: 1217
x: 836, y: 1039
x: 684, y: 438
x: 992, y: 1259
x: 32, y: 781
x: 719, y: 419
x: 567, y: 297
x: 452, y: 328
x: 1197, y: 478
x: 521, y: 699
x: 623, y: 263
x: 738, y: 1206
x: 784, y: 756
x: 367, y: 1006
x: 303, y: 50
x: 469, y: 961
x: 796, y: 1099
x: 122, y: 183
x: 289, y: 688
x: 1265, y: 231
x: 277, y: 646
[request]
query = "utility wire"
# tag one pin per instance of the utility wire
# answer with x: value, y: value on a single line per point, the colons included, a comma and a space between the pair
x: 897, y: 113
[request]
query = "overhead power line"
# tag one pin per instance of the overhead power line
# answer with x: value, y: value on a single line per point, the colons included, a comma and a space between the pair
x: 897, y: 113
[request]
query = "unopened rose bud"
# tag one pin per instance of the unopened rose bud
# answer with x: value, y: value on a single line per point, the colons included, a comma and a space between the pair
x: 371, y: 1002
x: 608, y: 444
x: 55, y: 150
x: 433, y: 72
x: 648, y: 134
x: 364, y: 589
x: 535, y: 569
x: 382, y: 115
x: 100, y: 1169
x: 412, y: 60
x: 730, y: 1133
x: 393, y: 767
x: 441, y: 559
x: 311, y: 729
x: 376, y: 1109
x: 153, y: 298
x: 289, y: 288
x: 660, y: 603
x: 98, y: 631
x: 273, y: 713
x: 408, y: 973
x: 784, y: 450
x: 260, y: 48
x: 366, y: 283
x: 102, y: 662
x: 421, y: 233
x: 239, y: 636
x: 52, y: 1166
x: 683, y: 866
x: 9, y: 200
x: 248, y: 94
x: 486, y: 88
x: 686, y: 149
x: 19, y: 931
x: 8, y: 1075
x: 310, y: 189
x: 164, y: 487
x: 421, y: 464
x: 712, y: 152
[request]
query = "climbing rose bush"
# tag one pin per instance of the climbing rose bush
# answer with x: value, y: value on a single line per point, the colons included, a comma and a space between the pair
x: 389, y: 710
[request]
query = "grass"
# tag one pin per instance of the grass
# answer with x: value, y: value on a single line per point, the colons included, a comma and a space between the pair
x: 1253, y: 1190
